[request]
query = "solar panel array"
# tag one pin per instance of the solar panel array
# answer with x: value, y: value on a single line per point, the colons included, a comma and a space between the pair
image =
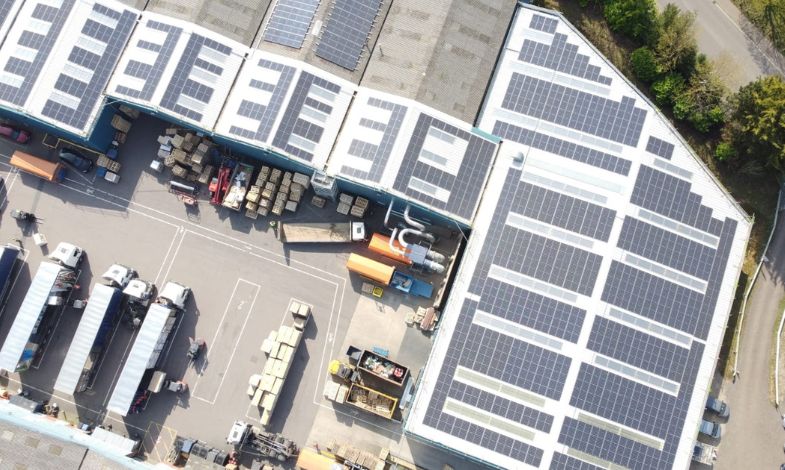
x: 290, y: 21
x: 346, y: 31
x: 375, y: 154
x: 22, y: 69
x: 563, y: 57
x: 535, y: 269
x: 79, y: 88
x: 660, y: 148
x: 151, y: 73
x: 264, y: 102
x: 209, y: 64
x: 296, y: 134
x: 455, y: 189
x: 619, y: 121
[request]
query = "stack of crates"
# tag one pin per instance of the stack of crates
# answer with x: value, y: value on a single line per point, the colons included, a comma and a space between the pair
x: 360, y: 207
x: 344, y: 203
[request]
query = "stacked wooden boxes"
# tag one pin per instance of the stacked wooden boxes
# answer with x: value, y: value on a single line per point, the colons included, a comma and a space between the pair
x: 360, y: 207
x: 280, y: 347
x: 344, y: 203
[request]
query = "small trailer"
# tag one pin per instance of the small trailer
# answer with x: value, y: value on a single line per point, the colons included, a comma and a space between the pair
x: 321, y: 232
x: 388, y: 276
x: 238, y: 186
x: 371, y: 401
x: 383, y: 368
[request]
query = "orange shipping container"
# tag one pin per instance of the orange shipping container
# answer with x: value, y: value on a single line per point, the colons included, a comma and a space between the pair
x: 369, y: 268
x: 36, y: 166
x: 381, y: 244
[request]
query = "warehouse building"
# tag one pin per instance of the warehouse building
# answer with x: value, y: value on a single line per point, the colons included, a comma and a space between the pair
x: 586, y: 319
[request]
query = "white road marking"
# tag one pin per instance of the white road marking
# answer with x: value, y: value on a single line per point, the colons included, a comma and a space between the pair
x: 166, y: 256
x: 103, y: 356
x: 236, y: 343
x: 239, y: 245
x: 319, y: 373
x: 15, y: 174
x: 119, y: 368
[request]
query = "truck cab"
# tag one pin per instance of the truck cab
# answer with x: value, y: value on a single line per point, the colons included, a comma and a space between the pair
x: 67, y: 255
x: 174, y: 294
x: 119, y: 276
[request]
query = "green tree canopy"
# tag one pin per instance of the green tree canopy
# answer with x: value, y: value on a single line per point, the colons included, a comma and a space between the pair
x: 757, y: 121
x: 676, y: 47
x: 644, y: 64
x: 635, y: 18
x: 701, y: 102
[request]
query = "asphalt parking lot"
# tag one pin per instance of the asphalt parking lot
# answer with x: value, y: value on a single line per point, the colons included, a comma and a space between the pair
x: 242, y: 282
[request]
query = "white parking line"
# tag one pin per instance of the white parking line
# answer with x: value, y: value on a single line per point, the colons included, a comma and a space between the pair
x: 218, y: 330
x: 236, y: 343
x: 166, y: 256
x: 257, y: 255
x: 103, y: 356
x: 329, y: 339
x: 119, y: 368
x: 15, y: 174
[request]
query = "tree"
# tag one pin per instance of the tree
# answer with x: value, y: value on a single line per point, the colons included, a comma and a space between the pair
x: 725, y: 152
x: 757, y: 121
x: 700, y: 102
x: 773, y: 15
x: 667, y: 89
x: 644, y: 64
x: 676, y: 47
x: 634, y: 18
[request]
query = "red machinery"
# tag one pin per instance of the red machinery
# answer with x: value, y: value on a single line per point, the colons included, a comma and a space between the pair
x: 220, y: 184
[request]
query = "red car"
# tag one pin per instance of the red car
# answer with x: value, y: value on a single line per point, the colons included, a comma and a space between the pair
x: 20, y: 136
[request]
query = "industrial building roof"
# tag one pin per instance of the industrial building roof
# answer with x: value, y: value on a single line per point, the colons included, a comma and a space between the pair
x: 57, y: 58
x: 588, y: 312
x: 406, y: 148
x: 238, y: 20
x: 178, y: 68
x: 441, y: 53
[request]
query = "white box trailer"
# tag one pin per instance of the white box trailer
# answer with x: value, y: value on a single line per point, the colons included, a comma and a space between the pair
x: 98, y: 320
x: 49, y: 287
x: 144, y: 356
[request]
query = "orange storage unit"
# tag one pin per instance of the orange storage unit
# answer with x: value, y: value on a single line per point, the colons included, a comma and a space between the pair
x: 381, y: 244
x: 369, y: 268
x: 37, y: 166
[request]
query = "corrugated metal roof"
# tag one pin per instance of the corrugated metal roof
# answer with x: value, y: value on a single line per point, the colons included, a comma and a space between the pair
x: 136, y: 364
x: 84, y: 338
x: 31, y: 308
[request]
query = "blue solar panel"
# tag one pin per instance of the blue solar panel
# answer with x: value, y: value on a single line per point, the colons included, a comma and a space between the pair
x: 290, y: 21
x: 346, y: 31
x: 619, y: 121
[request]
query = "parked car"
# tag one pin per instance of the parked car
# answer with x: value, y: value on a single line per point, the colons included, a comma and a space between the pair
x: 710, y: 429
x: 75, y: 159
x: 718, y: 406
x: 20, y: 136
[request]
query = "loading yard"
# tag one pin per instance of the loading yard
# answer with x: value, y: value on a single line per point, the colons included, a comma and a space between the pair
x: 242, y: 280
